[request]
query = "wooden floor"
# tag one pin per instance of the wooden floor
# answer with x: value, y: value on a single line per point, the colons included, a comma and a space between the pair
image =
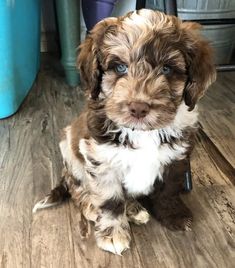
x: 30, y: 165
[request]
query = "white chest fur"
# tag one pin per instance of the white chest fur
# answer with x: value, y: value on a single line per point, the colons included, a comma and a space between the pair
x: 144, y: 164
x: 138, y: 167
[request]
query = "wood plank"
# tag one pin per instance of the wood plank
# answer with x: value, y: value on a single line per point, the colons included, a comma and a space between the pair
x: 220, y: 128
x: 49, y: 228
x: 217, y: 115
x: 220, y: 95
x: 30, y: 164
x: 205, y: 150
x: 15, y: 183
x: 214, y: 181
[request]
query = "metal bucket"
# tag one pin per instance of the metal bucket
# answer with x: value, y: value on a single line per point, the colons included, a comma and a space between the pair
x: 222, y: 37
x: 205, y: 9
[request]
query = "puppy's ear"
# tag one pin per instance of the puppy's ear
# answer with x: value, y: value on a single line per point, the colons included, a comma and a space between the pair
x: 89, y: 60
x: 199, y: 60
x: 90, y: 71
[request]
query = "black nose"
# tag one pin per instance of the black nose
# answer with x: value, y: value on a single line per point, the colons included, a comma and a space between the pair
x: 139, y: 109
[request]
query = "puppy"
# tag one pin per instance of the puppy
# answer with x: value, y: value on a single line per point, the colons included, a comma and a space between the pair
x: 143, y: 74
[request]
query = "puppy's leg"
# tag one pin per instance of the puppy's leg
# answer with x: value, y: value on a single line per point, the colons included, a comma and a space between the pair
x: 112, y: 230
x: 173, y: 213
x: 84, y: 200
x: 104, y: 197
x: 111, y: 224
x: 136, y: 213
x: 105, y: 205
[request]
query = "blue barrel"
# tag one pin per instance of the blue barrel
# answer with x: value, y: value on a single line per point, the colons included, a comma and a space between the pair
x: 19, y: 51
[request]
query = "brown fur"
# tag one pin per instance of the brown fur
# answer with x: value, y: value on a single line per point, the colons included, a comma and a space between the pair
x: 79, y: 130
x: 168, y: 63
x: 171, y: 42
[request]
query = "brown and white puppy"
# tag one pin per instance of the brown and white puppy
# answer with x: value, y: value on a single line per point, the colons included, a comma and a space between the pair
x: 144, y: 73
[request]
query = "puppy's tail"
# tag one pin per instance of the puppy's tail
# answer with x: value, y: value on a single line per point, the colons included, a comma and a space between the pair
x: 55, y: 197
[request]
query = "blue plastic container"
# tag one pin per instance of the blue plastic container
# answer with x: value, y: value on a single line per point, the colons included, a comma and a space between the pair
x: 19, y: 51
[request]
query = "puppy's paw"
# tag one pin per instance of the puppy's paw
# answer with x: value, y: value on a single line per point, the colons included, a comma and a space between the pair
x: 178, y: 223
x: 182, y: 224
x: 114, y: 240
x: 174, y: 214
x: 136, y: 213
x: 142, y: 217
x: 84, y: 228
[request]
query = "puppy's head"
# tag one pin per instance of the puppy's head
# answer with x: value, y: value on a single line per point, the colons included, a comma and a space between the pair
x: 143, y: 66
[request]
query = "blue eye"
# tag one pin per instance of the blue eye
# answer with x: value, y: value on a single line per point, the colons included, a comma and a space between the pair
x: 166, y: 70
x: 121, y: 69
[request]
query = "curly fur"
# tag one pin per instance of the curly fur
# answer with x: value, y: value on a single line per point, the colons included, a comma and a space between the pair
x: 137, y: 124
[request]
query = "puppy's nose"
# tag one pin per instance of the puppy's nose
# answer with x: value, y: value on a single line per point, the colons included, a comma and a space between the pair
x: 139, y: 109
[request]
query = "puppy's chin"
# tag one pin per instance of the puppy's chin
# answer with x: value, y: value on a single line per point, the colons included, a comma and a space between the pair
x: 138, y: 124
x: 143, y: 124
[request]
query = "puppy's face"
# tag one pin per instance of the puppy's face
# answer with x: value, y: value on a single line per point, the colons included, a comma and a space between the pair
x: 143, y: 66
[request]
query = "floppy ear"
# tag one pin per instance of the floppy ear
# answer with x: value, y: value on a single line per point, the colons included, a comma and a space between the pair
x: 199, y: 60
x: 90, y: 58
x: 90, y: 71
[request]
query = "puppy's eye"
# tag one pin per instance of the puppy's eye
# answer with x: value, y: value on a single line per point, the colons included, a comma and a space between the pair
x: 166, y: 70
x: 121, y: 69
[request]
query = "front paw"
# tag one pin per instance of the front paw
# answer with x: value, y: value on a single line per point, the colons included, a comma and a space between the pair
x: 173, y: 214
x: 113, y: 239
x: 136, y: 213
